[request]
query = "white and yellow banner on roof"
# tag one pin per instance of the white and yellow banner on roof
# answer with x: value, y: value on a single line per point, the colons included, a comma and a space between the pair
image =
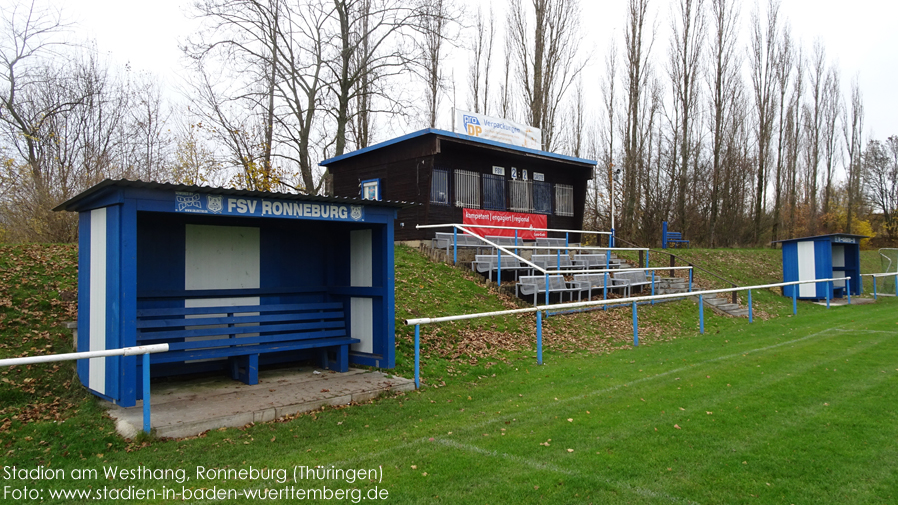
x: 499, y: 130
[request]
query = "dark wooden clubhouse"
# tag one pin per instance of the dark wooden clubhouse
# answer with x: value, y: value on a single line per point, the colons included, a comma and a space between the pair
x: 449, y: 175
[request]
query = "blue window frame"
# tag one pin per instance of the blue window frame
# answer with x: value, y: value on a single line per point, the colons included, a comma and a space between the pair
x: 370, y: 189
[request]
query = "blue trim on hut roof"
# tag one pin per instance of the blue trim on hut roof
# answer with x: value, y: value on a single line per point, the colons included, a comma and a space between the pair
x: 459, y: 136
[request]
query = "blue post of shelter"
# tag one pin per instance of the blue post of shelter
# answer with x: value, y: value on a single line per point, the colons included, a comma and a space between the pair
x: 635, y: 326
x: 147, y: 425
x: 417, y: 356
x: 751, y: 318
x: 701, y: 315
x: 539, y: 337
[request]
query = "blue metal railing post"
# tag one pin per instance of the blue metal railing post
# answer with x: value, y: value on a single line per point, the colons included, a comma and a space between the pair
x: 848, y: 289
x: 751, y: 318
x: 607, y: 278
x: 896, y: 284
x: 539, y: 337
x: 516, y: 242
x: 828, y: 284
x: 499, y: 267
x: 635, y: 326
x: 701, y: 315
x: 611, y: 238
x: 795, y: 299
x: 558, y: 259
x: 567, y: 243
x: 417, y: 356
x: 454, y: 246
x: 646, y: 258
x: 874, y: 288
x: 147, y: 426
x: 653, y: 286
x: 690, y: 278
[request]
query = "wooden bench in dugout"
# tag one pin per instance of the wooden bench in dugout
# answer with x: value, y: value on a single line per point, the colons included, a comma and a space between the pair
x: 241, y: 333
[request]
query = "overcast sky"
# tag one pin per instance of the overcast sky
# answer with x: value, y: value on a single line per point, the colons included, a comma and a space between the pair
x: 859, y: 37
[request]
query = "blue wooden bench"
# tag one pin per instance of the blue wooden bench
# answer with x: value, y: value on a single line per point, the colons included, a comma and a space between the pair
x: 671, y: 238
x: 241, y: 333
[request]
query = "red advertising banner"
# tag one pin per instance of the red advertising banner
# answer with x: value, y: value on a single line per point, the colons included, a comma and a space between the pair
x: 512, y: 219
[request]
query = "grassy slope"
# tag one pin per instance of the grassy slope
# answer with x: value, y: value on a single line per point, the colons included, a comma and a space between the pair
x: 480, y: 438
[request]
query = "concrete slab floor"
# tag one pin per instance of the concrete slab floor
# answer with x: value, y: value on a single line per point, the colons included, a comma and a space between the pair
x: 189, y: 407
x: 841, y: 302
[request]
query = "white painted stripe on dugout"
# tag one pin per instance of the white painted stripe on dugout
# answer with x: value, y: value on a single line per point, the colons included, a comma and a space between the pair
x: 806, y: 269
x: 361, y: 274
x: 97, y: 366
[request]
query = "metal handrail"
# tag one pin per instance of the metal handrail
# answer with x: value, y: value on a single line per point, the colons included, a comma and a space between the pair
x: 146, y: 350
x: 631, y: 300
x: 675, y: 257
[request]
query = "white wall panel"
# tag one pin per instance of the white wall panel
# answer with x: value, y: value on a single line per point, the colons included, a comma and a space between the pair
x: 806, y: 269
x: 361, y: 275
x: 97, y: 366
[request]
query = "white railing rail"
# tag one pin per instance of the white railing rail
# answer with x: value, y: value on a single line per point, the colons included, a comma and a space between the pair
x: 633, y: 301
x: 145, y: 350
x: 883, y: 274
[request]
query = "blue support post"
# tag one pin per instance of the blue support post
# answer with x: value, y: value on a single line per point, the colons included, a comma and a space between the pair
x: 454, y: 246
x: 896, y: 284
x: 558, y: 259
x: 499, y: 267
x: 690, y: 278
x: 417, y: 356
x: 848, y: 289
x: 567, y: 243
x: 795, y: 299
x: 751, y: 318
x: 547, y: 289
x: 147, y: 426
x: 701, y: 315
x: 539, y: 337
x: 653, y: 286
x: 611, y: 238
x: 828, y: 293
x: 663, y: 234
x: 635, y: 326
x: 646, y: 258
x: 874, y: 288
x: 516, y: 243
x: 605, y: 292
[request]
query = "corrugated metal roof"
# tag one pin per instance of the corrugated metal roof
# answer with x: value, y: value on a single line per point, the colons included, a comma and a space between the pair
x: 459, y: 136
x: 72, y: 203
x: 820, y: 236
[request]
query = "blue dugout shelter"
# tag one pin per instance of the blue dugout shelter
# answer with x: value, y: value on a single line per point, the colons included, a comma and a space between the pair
x: 153, y: 254
x: 822, y: 257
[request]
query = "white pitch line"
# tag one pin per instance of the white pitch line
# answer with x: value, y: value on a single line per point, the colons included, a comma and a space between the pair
x: 369, y: 456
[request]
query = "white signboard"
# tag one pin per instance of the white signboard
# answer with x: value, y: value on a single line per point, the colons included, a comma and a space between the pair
x: 499, y: 130
x: 498, y: 170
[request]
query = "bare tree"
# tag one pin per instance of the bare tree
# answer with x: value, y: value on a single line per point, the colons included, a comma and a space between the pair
x: 783, y: 72
x: 635, y: 130
x: 546, y: 58
x: 723, y: 80
x: 356, y: 59
x: 762, y: 61
x: 688, y: 29
x: 852, y: 131
x: 813, y: 125
x: 482, y: 49
x: 433, y: 20
x: 881, y: 180
x: 832, y: 110
x: 505, y: 89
